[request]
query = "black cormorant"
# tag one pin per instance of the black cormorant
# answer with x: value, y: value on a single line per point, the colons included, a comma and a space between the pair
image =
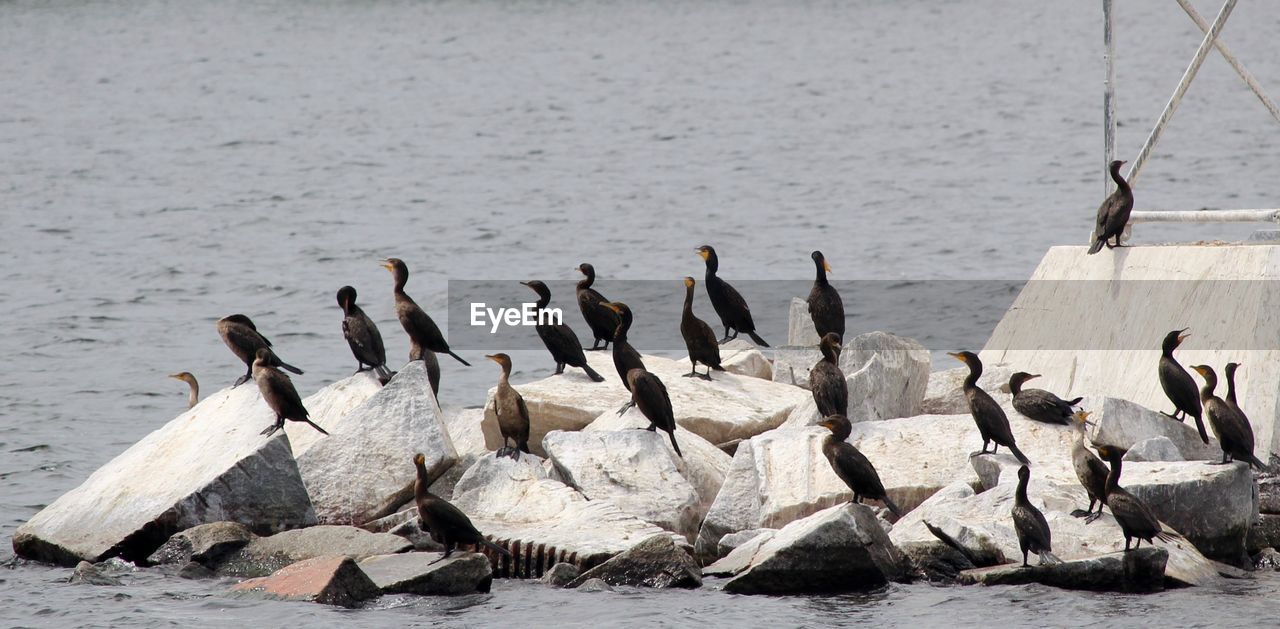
x: 699, y: 338
x: 239, y: 333
x: 422, y: 331
x: 362, y: 336
x: 602, y: 321
x: 1038, y: 404
x: 1177, y: 383
x: 826, y: 380
x: 992, y: 423
x: 825, y: 307
x: 278, y: 392
x: 509, y: 408
x: 729, y: 304
x: 1113, y: 214
x: 851, y: 465
x: 559, y: 338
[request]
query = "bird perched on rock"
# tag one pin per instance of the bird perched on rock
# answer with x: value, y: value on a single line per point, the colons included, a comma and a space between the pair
x: 1029, y: 523
x: 244, y: 340
x: 422, y: 330
x: 1131, y: 513
x: 277, y: 390
x: 851, y: 465
x: 1091, y: 471
x: 362, y: 336
x: 1233, y: 431
x: 650, y: 396
x: 1114, y: 212
x: 992, y: 423
x: 728, y: 303
x: 602, y: 321
x: 1231, y: 389
x: 826, y: 380
x: 559, y: 338
x: 699, y: 338
x: 447, y: 524
x: 510, y: 410
x: 193, y: 397
x: 825, y: 306
x: 1177, y: 383
x: 625, y: 357
x: 1038, y: 404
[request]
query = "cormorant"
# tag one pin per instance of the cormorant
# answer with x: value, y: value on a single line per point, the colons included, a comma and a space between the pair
x: 1091, y: 471
x: 279, y: 394
x: 421, y: 329
x: 193, y: 397
x: 698, y: 337
x: 446, y: 523
x: 428, y: 357
x: 1177, y: 383
x: 825, y: 307
x: 559, y: 338
x: 826, y: 380
x: 1133, y: 516
x: 729, y: 304
x: 1233, y: 431
x: 992, y: 423
x: 239, y: 333
x: 362, y: 336
x: 625, y: 357
x: 1038, y: 404
x: 650, y: 396
x: 602, y: 321
x: 851, y: 465
x: 1113, y: 214
x: 1231, y: 389
x: 1032, y: 529
x: 509, y: 408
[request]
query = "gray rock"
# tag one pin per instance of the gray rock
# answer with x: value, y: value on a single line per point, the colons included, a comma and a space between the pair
x: 329, y: 580
x: 1140, y: 570
x: 732, y: 541
x: 840, y: 549
x: 791, y: 364
x: 207, y: 465
x: 1264, y: 533
x: 944, y: 394
x: 91, y: 574
x: 936, y: 561
x: 1212, y: 505
x: 655, y: 562
x: 594, y: 585
x: 206, y: 544
x: 428, y: 574
x: 560, y: 575
x: 1124, y: 424
x: 739, y: 558
x: 800, y: 329
x: 196, y: 570
x: 1269, y: 494
x: 1154, y: 449
x: 365, y: 470
x: 464, y: 430
x: 1267, y: 559
x: 887, y: 376
x: 266, y: 555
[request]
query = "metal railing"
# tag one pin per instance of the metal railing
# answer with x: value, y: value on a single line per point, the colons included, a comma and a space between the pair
x: 1212, y: 40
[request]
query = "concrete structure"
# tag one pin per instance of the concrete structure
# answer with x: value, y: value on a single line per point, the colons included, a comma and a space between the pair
x: 1092, y: 325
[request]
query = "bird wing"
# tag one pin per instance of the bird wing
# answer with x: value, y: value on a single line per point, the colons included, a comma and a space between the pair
x: 282, y: 389
x: 364, y: 339
x: 1031, y: 524
x: 856, y: 470
x: 1038, y: 403
x: 1231, y: 428
x: 246, y: 337
x: 1133, y: 513
x: 651, y: 397
x: 454, y: 521
x: 997, y: 423
x: 1178, y: 385
x: 739, y: 305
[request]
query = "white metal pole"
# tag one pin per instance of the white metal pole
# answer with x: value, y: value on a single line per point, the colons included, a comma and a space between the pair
x: 1108, y: 99
x: 1206, y: 216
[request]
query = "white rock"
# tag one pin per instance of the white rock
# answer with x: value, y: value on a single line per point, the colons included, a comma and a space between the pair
x: 463, y: 426
x: 332, y: 402
x: 1123, y: 424
x: 945, y: 393
x: 209, y: 464
x: 1154, y: 449
x: 732, y: 541
x: 791, y: 365
x: 738, y: 357
x: 364, y: 471
x: 887, y: 376
x: 727, y: 408
x: 704, y: 464
x: 514, y: 500
x: 800, y: 330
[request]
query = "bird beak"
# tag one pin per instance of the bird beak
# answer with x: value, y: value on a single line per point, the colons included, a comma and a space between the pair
x: 175, y: 376
x: 492, y: 357
x: 959, y: 357
x: 386, y: 264
x: 703, y: 254
x: 1033, y: 376
x: 826, y: 266
x: 524, y: 283
x: 1182, y: 336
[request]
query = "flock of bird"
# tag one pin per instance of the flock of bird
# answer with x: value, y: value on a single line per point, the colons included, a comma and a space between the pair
x: 610, y: 321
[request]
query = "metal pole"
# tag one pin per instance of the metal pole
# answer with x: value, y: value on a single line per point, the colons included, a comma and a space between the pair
x: 1108, y: 100
x: 1178, y: 93
x: 1231, y: 59
x: 1206, y: 216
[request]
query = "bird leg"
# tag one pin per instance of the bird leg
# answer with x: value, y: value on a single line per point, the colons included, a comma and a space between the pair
x: 625, y: 407
x: 706, y: 376
x: 727, y: 338
x: 243, y: 379
x: 1174, y: 415
x: 693, y: 369
x: 559, y: 369
x: 271, y: 430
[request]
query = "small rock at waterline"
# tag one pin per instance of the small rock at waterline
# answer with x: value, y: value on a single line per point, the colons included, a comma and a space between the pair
x: 90, y: 574
x: 206, y: 544
x: 429, y: 575
x: 560, y: 575
x: 594, y: 585
x: 655, y: 562
x: 334, y: 580
x: 1139, y: 570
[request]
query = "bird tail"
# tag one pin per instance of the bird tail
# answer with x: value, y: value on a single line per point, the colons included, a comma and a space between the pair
x: 592, y: 373
x: 719, y: 368
x: 1074, y: 402
x: 893, y: 508
x: 524, y: 447
x: 1020, y: 456
x: 756, y: 337
x: 459, y: 358
x: 1097, y: 246
x: 288, y: 367
x: 317, y: 427
x: 1204, y: 436
x: 1049, y: 558
x: 1253, y: 460
x: 496, y: 548
x: 675, y: 445
x: 1168, y: 537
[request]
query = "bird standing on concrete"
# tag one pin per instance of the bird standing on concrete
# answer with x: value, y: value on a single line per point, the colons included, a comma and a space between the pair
x: 1114, y: 212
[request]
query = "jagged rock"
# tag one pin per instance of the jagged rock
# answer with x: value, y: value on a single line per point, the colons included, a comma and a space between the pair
x: 1124, y: 424
x: 92, y: 574
x: 514, y: 500
x: 365, y: 470
x: 729, y: 407
x: 738, y: 357
x: 331, y: 403
x: 1154, y: 449
x: 730, y: 542
x: 976, y: 523
x: 944, y: 394
x: 560, y: 575
x: 791, y: 364
x: 331, y: 580
x: 404, y: 523
x: 655, y: 562
x: 266, y: 555
x: 206, y: 544
x: 840, y: 549
x: 1268, y: 559
x: 1264, y: 533
x: 428, y: 575
x: 594, y: 585
x: 1269, y: 494
x: 935, y: 561
x: 739, y: 558
x: 887, y: 376
x: 464, y: 430
x: 800, y: 329
x: 1140, y: 570
x: 207, y: 465
x: 703, y: 464
x: 1212, y: 505
x: 634, y: 469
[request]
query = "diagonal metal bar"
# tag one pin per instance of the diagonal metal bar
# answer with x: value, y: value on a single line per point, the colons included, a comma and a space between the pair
x: 1181, y: 90
x: 1231, y: 59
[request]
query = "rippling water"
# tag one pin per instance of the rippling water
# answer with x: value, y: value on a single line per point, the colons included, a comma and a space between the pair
x: 168, y: 163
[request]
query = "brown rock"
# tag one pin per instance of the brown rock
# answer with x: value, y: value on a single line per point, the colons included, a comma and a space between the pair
x: 333, y: 580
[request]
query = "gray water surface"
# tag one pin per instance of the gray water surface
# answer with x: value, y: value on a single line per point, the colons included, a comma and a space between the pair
x: 169, y: 163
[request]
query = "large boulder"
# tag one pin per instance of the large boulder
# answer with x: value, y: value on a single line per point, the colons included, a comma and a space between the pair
x: 1124, y: 424
x: 656, y: 562
x: 704, y: 465
x: 728, y: 407
x: 206, y: 544
x: 427, y: 574
x: 330, y: 404
x: 333, y: 580
x: 981, y: 527
x: 1212, y: 505
x: 840, y: 549
x: 634, y: 469
x: 265, y: 555
x: 515, y: 504
x: 738, y: 357
x: 1141, y: 570
x: 886, y: 375
x: 800, y: 329
x: 464, y: 430
x: 944, y: 395
x: 365, y: 470
x: 209, y: 464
